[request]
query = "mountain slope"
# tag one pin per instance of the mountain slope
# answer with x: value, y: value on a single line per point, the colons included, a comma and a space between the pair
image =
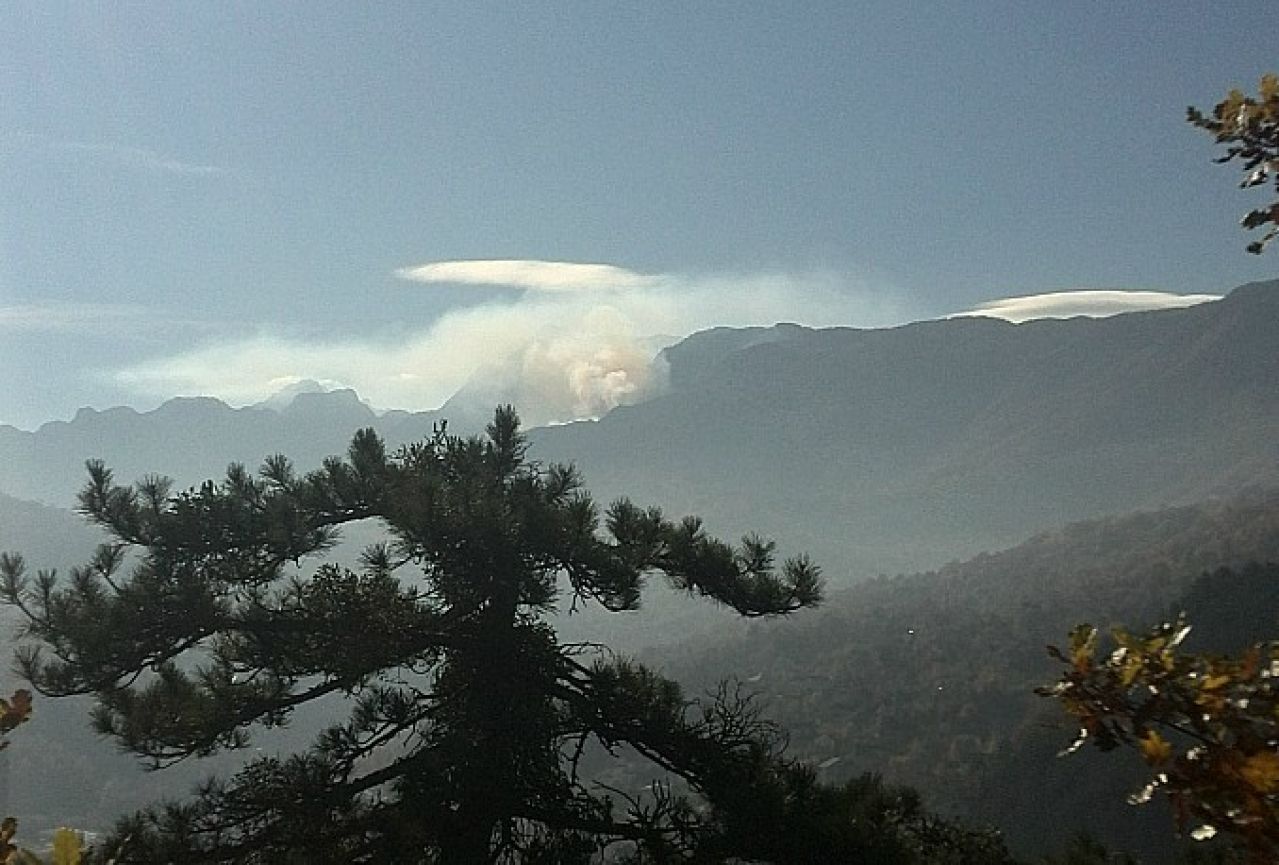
x: 888, y: 450
x: 876, y: 450
x: 929, y: 679
x: 48, y: 537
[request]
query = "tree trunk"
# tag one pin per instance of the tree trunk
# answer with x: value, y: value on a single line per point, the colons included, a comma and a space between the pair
x: 482, y: 801
x: 469, y: 840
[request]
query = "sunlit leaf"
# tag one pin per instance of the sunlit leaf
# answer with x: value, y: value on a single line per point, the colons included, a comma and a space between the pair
x: 1155, y: 748
x: 1261, y: 770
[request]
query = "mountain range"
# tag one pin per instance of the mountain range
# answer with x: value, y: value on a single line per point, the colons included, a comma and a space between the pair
x: 877, y: 451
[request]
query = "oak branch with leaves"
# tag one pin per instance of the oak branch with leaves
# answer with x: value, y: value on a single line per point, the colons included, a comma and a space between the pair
x: 1206, y: 725
x: 1249, y: 127
x: 204, y: 619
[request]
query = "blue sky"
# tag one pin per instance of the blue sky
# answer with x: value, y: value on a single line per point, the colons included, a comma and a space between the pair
x: 222, y: 197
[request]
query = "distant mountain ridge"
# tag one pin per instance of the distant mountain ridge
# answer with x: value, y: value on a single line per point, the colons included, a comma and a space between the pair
x: 878, y: 450
x: 187, y: 438
x: 896, y: 449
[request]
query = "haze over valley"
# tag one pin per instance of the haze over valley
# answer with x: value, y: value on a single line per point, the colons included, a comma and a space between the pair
x: 583, y: 435
x: 878, y: 451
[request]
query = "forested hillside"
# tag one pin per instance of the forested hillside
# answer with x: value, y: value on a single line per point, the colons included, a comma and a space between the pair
x: 929, y: 678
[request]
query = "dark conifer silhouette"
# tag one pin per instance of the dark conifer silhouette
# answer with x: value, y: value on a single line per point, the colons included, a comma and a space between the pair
x: 466, y: 713
x: 467, y: 717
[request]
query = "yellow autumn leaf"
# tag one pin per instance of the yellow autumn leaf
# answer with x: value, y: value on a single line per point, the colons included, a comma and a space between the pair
x: 1211, y: 702
x: 1261, y: 771
x: 1212, y: 683
x: 1083, y: 643
x: 66, y: 847
x: 1269, y: 88
x: 1155, y: 748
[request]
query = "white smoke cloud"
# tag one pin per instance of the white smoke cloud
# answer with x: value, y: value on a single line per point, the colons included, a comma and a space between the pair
x: 1088, y: 303
x: 558, y: 354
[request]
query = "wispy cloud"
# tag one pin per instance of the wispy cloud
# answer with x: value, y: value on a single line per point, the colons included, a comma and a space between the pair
x: 133, y: 157
x: 69, y: 317
x: 1089, y: 303
x: 528, y: 274
x: 565, y: 354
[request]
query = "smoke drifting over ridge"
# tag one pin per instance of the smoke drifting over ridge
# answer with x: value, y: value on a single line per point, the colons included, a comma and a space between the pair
x: 570, y: 376
x: 580, y: 339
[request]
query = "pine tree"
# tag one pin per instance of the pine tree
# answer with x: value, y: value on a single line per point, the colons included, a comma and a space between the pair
x: 208, y: 616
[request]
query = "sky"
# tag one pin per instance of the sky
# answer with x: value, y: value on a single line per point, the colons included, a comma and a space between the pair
x: 223, y: 199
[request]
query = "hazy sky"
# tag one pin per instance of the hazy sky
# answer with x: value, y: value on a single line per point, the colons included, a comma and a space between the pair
x: 224, y: 197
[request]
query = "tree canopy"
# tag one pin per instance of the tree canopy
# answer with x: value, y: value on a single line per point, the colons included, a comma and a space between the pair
x: 465, y: 715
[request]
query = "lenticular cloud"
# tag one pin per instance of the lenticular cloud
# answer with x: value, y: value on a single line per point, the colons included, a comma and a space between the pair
x: 527, y: 274
x: 1086, y: 303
